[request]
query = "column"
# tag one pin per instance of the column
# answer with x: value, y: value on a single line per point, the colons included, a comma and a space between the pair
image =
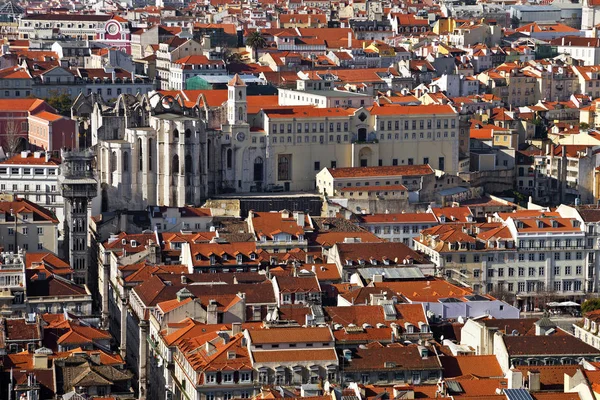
x: 105, y: 295
x: 123, y: 345
x: 143, y: 325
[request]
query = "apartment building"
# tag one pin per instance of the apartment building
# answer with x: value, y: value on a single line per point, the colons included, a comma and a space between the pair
x: 410, y: 178
x: 28, y: 226
x: 169, y: 52
x: 34, y: 177
x: 402, y: 227
x: 191, y: 66
x: 527, y: 258
x: 564, y: 173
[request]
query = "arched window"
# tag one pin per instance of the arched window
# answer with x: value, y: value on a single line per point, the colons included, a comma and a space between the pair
x: 149, y: 155
x: 176, y: 135
x: 113, y: 161
x: 240, y: 95
x: 140, y: 155
x: 258, y: 169
x: 125, y: 162
x: 175, y: 165
x: 241, y: 113
x: 229, y: 158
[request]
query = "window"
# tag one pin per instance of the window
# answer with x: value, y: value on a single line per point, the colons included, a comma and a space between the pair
x: 476, y: 273
x: 500, y: 272
x: 568, y: 270
x: 541, y: 271
x: 476, y: 258
x: 40, y: 231
x: 531, y: 271
x: 511, y: 272
x: 317, y: 166
x: 578, y: 270
x: 463, y: 258
x: 556, y: 270
x: 211, y: 378
x: 521, y: 271
x: 25, y: 230
x: 228, y: 377
x: 557, y: 256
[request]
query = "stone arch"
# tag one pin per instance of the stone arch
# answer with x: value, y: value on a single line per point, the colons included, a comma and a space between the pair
x: 364, y: 156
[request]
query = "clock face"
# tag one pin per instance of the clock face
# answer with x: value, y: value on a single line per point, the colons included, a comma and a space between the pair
x: 241, y: 136
x: 112, y: 29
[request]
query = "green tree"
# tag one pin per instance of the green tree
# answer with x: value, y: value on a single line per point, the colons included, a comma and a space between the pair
x: 584, y: 126
x: 590, y: 305
x: 256, y: 41
x: 61, y: 102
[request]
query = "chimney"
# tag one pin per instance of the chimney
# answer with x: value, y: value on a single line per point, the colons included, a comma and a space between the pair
x: 206, y: 43
x: 236, y: 328
x: 47, y: 154
x: 534, y: 380
x: 515, y: 379
x: 40, y: 360
x: 300, y: 218
x: 95, y: 358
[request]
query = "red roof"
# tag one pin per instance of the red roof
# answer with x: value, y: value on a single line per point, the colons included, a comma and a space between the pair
x: 398, y: 170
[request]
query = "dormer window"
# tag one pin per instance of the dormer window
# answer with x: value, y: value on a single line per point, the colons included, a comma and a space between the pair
x: 239, y: 258
x: 198, y: 257
x: 133, y: 243
x: 348, y: 262
x: 212, y: 259
x: 554, y: 224
x: 373, y: 261
x: 224, y: 257
x: 540, y: 224
x: 252, y: 256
